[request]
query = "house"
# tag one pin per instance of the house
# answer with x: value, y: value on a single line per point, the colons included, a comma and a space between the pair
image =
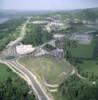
x: 24, y: 49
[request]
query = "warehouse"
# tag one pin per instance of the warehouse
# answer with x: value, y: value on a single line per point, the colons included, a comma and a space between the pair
x: 24, y: 49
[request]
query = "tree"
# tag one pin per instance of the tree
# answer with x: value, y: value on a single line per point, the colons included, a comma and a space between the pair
x: 36, y: 36
x: 12, y: 90
x: 74, y: 88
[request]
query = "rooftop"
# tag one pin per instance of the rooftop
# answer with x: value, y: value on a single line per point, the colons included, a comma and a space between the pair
x: 24, y: 49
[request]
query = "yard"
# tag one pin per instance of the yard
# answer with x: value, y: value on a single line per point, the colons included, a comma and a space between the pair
x: 49, y: 69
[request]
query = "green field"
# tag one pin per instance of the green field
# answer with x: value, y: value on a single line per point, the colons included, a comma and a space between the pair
x: 5, y: 72
x: 90, y: 66
x: 52, y: 70
x: 83, y: 28
x: 83, y: 51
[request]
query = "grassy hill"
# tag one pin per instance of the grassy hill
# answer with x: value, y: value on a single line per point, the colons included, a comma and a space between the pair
x: 52, y: 70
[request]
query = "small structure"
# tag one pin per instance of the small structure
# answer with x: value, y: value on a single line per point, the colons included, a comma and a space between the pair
x: 40, y: 52
x: 59, y: 40
x: 52, y: 43
x: 24, y: 49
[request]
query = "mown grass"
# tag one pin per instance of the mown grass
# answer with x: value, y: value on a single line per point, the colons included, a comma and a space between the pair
x: 83, y: 51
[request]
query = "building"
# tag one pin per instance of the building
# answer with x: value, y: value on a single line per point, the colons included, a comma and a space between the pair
x: 59, y: 36
x: 58, y: 53
x: 40, y: 22
x: 81, y: 38
x: 24, y: 49
x: 53, y: 26
x: 59, y: 40
x: 40, y: 52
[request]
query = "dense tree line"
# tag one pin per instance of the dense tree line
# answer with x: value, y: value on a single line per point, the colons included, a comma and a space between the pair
x: 74, y: 88
x: 8, y: 31
x: 15, y: 89
x: 36, y: 35
x: 88, y: 14
x: 84, y: 14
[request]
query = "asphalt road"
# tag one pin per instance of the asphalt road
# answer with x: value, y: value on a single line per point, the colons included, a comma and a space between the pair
x: 35, y: 86
x: 22, y: 34
x: 38, y: 90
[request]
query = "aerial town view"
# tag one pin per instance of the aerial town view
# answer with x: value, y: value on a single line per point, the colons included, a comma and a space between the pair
x: 48, y: 49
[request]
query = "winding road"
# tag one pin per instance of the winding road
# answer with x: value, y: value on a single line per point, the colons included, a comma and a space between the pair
x: 35, y: 85
x: 24, y: 72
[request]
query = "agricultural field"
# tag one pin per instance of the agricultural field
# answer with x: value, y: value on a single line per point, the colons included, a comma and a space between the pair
x: 48, y: 69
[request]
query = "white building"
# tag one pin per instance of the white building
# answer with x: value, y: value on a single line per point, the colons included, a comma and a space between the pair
x: 40, y: 22
x: 59, y: 36
x: 52, y: 26
x: 24, y: 49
